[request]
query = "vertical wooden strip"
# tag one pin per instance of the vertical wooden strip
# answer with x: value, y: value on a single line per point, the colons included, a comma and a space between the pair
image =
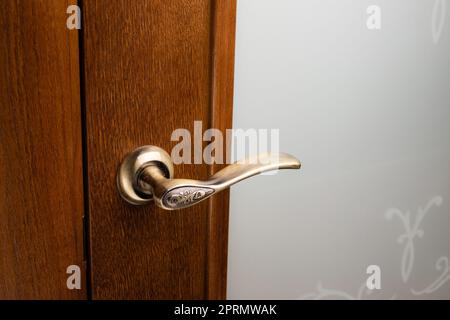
x: 41, y: 192
x: 224, y: 29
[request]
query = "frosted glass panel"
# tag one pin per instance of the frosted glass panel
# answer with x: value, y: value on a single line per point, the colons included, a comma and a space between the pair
x: 362, y: 98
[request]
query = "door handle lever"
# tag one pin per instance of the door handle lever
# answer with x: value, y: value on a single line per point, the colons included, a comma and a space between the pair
x: 146, y: 175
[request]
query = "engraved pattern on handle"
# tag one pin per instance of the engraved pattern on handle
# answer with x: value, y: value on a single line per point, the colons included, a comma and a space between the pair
x: 186, y: 196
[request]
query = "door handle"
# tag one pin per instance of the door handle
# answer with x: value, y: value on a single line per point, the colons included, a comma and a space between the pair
x: 146, y: 175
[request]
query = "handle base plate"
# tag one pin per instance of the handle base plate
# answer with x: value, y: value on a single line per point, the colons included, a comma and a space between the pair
x: 132, y: 166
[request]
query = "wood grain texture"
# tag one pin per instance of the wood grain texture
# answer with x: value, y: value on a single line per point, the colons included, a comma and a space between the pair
x: 149, y: 69
x: 224, y: 32
x: 41, y: 191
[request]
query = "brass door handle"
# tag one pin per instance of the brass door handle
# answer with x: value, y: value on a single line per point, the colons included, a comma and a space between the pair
x: 146, y: 175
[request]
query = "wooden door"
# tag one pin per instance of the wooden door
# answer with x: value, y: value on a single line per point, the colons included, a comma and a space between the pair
x: 151, y: 67
x: 73, y: 103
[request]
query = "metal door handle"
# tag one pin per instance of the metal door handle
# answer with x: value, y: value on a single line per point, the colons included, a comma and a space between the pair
x: 146, y: 175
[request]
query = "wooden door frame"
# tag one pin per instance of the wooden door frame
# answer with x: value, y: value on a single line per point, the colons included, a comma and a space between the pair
x: 224, y: 34
x: 41, y: 178
x: 150, y: 67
